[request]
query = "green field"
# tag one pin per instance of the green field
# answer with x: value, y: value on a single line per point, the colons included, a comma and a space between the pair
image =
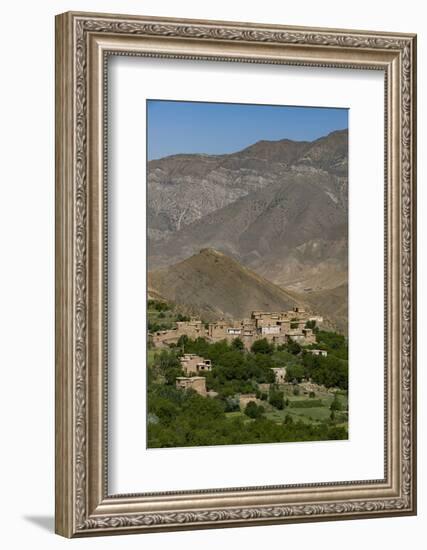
x: 309, y: 415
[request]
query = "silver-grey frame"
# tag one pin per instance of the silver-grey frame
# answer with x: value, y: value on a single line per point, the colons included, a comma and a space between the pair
x: 83, y: 43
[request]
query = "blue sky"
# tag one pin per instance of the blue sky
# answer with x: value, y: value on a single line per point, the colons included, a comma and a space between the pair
x: 217, y: 128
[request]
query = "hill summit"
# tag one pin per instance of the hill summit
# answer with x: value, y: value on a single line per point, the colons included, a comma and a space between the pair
x: 214, y: 285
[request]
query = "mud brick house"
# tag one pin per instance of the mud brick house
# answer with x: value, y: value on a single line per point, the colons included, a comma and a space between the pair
x: 193, y: 364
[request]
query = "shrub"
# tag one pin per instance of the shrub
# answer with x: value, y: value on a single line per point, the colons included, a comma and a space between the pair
x: 237, y: 344
x: 182, y: 318
x: 231, y: 404
x: 288, y: 420
x: 253, y: 410
x: 276, y: 400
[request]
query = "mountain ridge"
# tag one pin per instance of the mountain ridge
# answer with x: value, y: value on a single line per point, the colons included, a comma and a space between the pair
x: 251, y: 147
x: 222, y: 179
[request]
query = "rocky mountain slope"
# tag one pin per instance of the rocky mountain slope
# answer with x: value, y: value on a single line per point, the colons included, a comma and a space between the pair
x: 184, y: 188
x: 290, y: 232
x: 215, y: 286
x: 279, y: 208
x: 332, y: 304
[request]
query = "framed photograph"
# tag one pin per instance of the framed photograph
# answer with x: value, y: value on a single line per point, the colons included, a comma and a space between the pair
x: 235, y: 274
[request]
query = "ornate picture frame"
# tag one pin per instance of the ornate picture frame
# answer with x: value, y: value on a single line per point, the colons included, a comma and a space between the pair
x: 84, y: 42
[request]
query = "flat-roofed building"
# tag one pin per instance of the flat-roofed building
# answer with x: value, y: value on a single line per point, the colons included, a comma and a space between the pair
x: 193, y: 364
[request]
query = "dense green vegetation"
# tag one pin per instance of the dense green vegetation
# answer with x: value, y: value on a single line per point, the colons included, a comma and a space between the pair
x: 253, y: 410
x: 184, y: 418
x: 282, y: 413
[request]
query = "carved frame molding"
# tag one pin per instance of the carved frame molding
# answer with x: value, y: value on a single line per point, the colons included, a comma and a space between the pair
x: 83, y: 42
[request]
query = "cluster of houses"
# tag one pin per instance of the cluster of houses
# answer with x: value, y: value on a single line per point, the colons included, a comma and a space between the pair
x: 277, y: 327
x: 193, y: 365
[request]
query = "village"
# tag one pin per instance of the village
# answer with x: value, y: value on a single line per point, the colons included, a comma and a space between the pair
x: 279, y: 366
x: 276, y: 327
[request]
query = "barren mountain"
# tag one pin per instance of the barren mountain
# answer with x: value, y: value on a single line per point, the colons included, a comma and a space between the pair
x: 184, y: 188
x: 291, y: 232
x: 279, y: 208
x: 215, y: 286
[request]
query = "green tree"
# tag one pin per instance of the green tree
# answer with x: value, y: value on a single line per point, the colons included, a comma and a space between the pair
x: 333, y: 342
x: 330, y: 371
x: 282, y: 358
x: 295, y: 372
x: 262, y: 346
x: 293, y: 347
x: 276, y: 399
x: 167, y: 360
x: 172, y: 374
x: 253, y: 410
x: 237, y: 344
